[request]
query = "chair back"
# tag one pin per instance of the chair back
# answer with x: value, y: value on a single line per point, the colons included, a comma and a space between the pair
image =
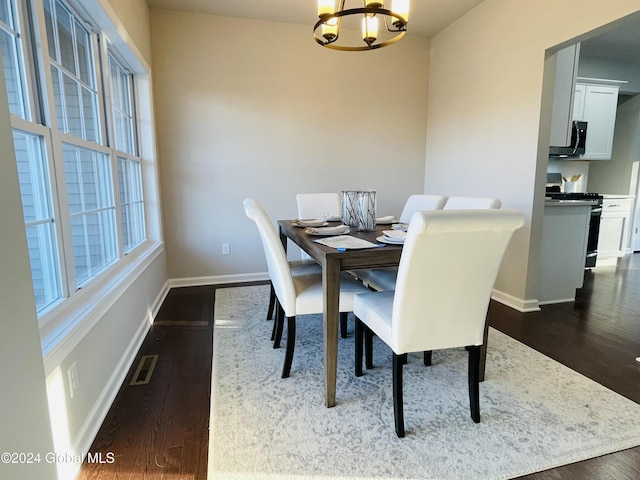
x: 421, y: 203
x: 460, y: 203
x: 449, y: 264
x: 277, y: 263
x: 317, y: 205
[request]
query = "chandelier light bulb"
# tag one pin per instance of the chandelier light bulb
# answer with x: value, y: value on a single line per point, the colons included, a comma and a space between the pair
x: 326, y: 7
x: 330, y: 29
x: 369, y: 29
x: 401, y: 7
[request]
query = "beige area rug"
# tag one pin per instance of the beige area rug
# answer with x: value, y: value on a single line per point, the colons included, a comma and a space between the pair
x: 536, y: 413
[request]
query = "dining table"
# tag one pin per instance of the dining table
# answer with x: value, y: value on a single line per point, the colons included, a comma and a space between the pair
x: 333, y: 262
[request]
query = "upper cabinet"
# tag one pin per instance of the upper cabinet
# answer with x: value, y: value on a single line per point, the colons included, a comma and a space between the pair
x: 596, y: 102
x: 565, y: 62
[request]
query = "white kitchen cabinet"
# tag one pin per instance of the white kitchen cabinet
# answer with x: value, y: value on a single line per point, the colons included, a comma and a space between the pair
x: 565, y: 229
x: 614, y: 229
x: 596, y: 105
x: 565, y: 62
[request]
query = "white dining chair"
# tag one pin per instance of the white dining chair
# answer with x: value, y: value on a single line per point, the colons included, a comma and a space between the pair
x: 313, y: 206
x: 421, y: 203
x: 459, y: 203
x: 296, y: 295
x: 385, y: 278
x: 447, y: 270
x: 318, y: 205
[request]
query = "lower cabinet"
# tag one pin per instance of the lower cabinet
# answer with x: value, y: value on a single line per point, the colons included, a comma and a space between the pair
x: 614, y: 229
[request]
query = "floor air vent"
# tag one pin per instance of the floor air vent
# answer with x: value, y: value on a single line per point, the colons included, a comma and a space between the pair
x: 144, y: 370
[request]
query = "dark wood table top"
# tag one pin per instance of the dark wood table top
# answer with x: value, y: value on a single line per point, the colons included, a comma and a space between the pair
x: 352, y: 258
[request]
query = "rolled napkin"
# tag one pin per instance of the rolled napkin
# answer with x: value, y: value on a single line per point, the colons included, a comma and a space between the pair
x: 400, y: 226
x: 318, y: 222
x: 337, y: 230
x: 387, y: 219
x: 395, y: 234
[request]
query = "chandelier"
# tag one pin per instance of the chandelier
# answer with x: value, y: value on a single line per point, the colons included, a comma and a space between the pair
x: 327, y: 31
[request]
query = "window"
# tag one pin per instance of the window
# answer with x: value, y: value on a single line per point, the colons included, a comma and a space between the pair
x: 72, y: 64
x: 81, y: 179
x: 122, y: 107
x: 37, y: 207
x: 131, y: 203
x: 91, y: 209
x: 11, y: 49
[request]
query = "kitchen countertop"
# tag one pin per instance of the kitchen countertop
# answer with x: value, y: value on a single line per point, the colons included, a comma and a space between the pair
x: 549, y: 202
x: 615, y: 195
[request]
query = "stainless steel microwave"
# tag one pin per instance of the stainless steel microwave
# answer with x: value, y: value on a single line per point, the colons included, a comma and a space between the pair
x: 578, y: 142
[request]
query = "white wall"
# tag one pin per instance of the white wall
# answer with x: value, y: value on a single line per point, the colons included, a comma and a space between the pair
x: 133, y: 16
x: 255, y: 108
x: 24, y: 416
x: 488, y: 130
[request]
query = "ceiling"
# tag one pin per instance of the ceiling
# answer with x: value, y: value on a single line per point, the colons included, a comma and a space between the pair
x: 427, y: 17
x: 620, y: 43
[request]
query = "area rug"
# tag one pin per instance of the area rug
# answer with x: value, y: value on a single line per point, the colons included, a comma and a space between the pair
x: 536, y: 413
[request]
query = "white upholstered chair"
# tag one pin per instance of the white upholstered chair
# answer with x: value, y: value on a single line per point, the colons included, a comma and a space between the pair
x: 421, y: 203
x: 296, y: 295
x: 310, y: 206
x: 317, y: 205
x: 385, y: 278
x: 460, y: 203
x: 447, y: 270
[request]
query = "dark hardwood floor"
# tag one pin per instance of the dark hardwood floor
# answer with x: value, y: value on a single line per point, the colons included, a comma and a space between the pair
x: 159, y: 430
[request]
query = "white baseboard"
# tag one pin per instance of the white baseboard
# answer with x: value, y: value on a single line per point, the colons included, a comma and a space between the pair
x: 562, y: 300
x: 218, y: 279
x: 519, y: 304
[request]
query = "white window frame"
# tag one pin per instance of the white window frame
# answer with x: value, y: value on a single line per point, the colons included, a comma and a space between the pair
x: 64, y: 324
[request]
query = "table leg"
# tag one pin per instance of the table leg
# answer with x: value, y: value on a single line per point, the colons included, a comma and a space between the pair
x: 331, y: 313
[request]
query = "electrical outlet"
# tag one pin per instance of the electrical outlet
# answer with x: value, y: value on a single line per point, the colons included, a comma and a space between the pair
x: 226, y: 249
x: 72, y: 375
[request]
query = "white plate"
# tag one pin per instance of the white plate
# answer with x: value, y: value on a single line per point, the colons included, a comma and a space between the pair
x: 324, y: 231
x: 390, y: 241
x: 318, y: 222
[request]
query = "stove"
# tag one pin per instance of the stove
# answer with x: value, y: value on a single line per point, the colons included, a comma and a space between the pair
x: 575, y: 196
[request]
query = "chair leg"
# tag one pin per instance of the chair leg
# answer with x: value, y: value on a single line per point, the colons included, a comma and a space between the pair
x: 279, y: 325
x: 274, y: 329
x: 368, y: 348
x: 272, y: 302
x: 428, y: 354
x: 291, y: 340
x: 474, y: 382
x: 359, y: 333
x: 398, y: 408
x: 343, y: 324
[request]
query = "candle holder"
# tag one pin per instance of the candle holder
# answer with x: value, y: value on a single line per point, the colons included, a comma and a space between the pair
x: 350, y: 207
x: 366, y: 211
